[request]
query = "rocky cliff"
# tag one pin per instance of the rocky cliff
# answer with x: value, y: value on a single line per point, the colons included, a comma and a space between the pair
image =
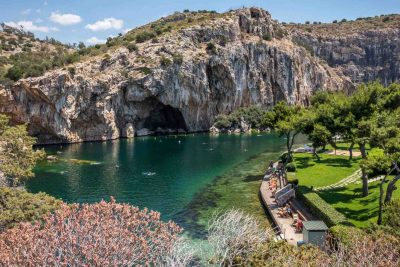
x: 182, y: 79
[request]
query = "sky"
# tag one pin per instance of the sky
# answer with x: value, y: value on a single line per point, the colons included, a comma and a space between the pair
x: 92, y: 21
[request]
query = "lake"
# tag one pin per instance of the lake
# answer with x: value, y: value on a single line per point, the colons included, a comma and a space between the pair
x: 185, y: 177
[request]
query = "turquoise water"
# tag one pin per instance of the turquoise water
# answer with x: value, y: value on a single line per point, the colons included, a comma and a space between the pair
x: 161, y: 173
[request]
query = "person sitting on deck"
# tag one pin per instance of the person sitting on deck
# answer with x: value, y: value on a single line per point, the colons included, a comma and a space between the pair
x: 299, y: 226
x: 288, y: 209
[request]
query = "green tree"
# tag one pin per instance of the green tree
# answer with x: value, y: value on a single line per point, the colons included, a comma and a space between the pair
x: 17, y: 205
x: 17, y: 157
x: 363, y: 105
x: 14, y: 73
x: 319, y: 137
x: 385, y: 134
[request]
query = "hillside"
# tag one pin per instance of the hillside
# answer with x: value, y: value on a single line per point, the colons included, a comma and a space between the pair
x: 23, y: 56
x: 178, y: 73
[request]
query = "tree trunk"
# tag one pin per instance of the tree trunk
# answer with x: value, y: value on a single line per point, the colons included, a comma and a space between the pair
x: 288, y: 149
x: 380, y: 202
x: 390, y: 188
x: 363, y: 171
x: 315, y: 153
x: 351, y: 150
x: 381, y: 192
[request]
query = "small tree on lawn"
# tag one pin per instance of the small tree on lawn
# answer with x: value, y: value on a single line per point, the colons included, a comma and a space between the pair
x: 319, y: 137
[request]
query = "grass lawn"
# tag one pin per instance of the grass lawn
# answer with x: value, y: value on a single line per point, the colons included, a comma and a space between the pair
x: 329, y: 170
x: 361, y: 211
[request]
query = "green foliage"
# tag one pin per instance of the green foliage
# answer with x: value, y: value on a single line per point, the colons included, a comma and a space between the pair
x: 15, y: 73
x: 211, y: 47
x: 17, y: 205
x: 284, y: 157
x: 291, y: 167
x: 34, y: 63
x: 267, y: 37
x: 222, y: 122
x: 178, y: 59
x: 391, y: 216
x: 71, y: 71
x: 145, y: 70
x: 132, y: 47
x: 17, y: 156
x: 321, y: 208
x: 251, y: 115
x: 165, y: 61
x: 144, y: 36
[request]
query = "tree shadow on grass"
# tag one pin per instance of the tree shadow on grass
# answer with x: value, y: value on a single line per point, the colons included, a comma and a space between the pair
x: 352, y: 212
x: 304, y: 162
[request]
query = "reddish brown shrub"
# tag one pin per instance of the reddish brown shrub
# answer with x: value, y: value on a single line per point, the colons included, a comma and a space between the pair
x: 101, y: 234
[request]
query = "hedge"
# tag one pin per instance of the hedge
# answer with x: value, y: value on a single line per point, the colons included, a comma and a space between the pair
x: 320, y: 208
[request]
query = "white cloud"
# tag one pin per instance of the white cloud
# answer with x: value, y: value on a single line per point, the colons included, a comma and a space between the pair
x: 65, y: 19
x: 26, y: 11
x: 38, y: 20
x: 38, y: 10
x: 28, y: 25
x: 126, y: 30
x: 95, y: 40
x: 105, y: 24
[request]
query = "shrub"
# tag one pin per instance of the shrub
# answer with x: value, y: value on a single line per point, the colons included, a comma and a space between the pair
x: 321, y: 208
x: 291, y: 167
x: 14, y: 73
x: 280, y: 33
x: 132, y: 47
x: 17, y: 205
x: 177, y: 58
x: 284, y: 157
x: 71, y: 71
x: 165, y: 61
x: 211, y: 47
x: 145, y: 70
x: 307, y: 22
x: 391, y: 216
x: 186, y: 11
x: 100, y: 234
x: 144, y: 36
x: 335, y: 21
x: 222, y: 122
x: 267, y: 37
x: 234, y: 235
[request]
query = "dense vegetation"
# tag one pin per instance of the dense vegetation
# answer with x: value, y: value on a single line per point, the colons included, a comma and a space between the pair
x: 22, y: 55
x: 17, y: 205
x: 17, y: 157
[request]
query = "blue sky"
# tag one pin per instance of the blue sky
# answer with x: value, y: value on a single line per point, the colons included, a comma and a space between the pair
x: 94, y: 20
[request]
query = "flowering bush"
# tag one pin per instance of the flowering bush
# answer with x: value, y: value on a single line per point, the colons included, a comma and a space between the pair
x: 100, y: 234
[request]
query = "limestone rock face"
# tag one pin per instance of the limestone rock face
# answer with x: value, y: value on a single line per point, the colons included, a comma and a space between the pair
x: 362, y: 56
x: 132, y: 93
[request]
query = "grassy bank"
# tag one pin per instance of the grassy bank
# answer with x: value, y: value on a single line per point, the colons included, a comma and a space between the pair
x: 348, y: 200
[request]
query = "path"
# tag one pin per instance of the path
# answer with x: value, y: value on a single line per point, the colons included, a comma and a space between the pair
x: 353, y: 178
x: 284, y: 225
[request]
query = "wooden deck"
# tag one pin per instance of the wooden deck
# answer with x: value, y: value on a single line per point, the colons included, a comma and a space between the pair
x: 283, y: 226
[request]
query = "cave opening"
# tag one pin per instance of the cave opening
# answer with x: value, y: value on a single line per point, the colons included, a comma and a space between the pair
x: 164, y: 119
